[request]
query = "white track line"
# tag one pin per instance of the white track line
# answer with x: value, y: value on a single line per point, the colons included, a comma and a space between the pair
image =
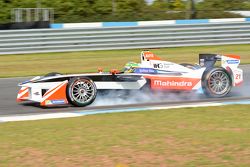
x: 37, y: 117
x: 101, y: 111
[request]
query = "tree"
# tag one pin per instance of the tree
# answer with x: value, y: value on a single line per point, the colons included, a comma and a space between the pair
x: 216, y: 8
x: 103, y: 6
x: 23, y: 4
x: 190, y: 9
x: 222, y: 4
x: 130, y: 10
x: 178, y: 5
x: 162, y: 5
x: 4, y: 12
x: 126, y: 10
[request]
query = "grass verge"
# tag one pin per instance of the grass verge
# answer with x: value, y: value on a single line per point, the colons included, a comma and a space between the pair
x: 212, y: 136
x: 89, y: 61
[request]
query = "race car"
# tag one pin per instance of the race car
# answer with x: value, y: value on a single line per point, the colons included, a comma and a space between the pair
x: 152, y: 73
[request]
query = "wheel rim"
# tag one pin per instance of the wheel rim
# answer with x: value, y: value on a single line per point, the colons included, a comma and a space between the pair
x: 219, y: 82
x: 83, y: 91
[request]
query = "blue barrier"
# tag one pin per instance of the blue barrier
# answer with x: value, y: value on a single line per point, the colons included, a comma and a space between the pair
x: 56, y: 26
x: 119, y: 24
x: 148, y: 23
x: 194, y: 21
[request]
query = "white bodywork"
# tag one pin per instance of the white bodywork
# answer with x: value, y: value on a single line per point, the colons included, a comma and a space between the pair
x: 169, y: 76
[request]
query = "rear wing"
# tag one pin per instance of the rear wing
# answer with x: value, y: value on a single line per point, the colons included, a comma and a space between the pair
x: 209, y: 60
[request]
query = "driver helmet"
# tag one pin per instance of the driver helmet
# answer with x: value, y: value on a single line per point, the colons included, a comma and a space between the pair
x: 130, y: 66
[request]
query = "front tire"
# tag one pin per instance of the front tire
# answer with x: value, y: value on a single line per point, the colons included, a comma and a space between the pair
x: 81, y: 91
x: 216, y: 82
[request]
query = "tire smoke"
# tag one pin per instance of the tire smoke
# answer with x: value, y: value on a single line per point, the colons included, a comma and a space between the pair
x: 134, y: 97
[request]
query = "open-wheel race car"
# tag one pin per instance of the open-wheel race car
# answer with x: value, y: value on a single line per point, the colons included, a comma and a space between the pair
x: 151, y: 73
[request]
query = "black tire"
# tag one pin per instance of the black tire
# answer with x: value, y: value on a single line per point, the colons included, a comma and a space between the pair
x: 52, y: 74
x: 216, y: 82
x: 81, y: 91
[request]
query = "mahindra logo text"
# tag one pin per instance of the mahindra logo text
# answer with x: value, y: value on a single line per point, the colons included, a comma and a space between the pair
x: 172, y: 83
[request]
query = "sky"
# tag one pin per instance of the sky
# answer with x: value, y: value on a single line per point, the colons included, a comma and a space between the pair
x: 149, y: 1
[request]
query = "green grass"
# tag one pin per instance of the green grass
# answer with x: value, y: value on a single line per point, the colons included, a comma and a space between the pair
x: 213, y: 136
x: 89, y: 61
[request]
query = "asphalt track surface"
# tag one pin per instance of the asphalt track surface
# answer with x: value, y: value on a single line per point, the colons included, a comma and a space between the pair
x: 9, y: 106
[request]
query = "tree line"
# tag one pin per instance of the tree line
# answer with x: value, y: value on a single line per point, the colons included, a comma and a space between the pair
x: 127, y: 10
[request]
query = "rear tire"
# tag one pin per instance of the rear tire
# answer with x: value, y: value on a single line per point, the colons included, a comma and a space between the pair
x: 81, y: 91
x: 216, y: 82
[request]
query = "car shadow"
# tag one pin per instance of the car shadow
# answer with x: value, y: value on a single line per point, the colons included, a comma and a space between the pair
x: 37, y: 105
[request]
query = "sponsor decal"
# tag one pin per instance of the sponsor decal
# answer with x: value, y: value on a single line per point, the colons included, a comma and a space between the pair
x: 58, y: 101
x: 149, y: 55
x: 145, y: 71
x: 233, y: 61
x: 173, y: 83
x: 202, y: 62
x: 162, y: 65
x: 50, y: 102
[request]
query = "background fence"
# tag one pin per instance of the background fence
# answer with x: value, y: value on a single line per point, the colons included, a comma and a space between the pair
x: 106, y: 38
